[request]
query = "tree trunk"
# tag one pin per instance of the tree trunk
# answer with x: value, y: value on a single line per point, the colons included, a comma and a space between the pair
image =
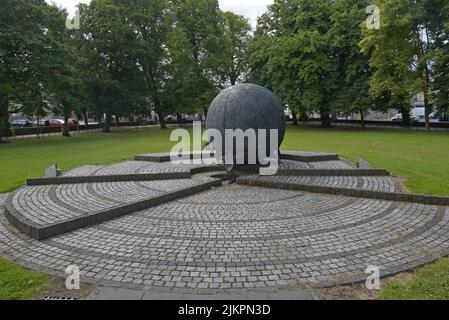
x: 427, y: 111
x: 107, y: 123
x: 362, y: 118
x: 78, y: 118
x: 160, y: 114
x: 117, y: 121
x: 5, y: 127
x: 38, y: 128
x: 4, y: 123
x: 86, y: 120
x: 295, y: 118
x: 405, y: 116
x: 65, y: 128
x: 325, y: 119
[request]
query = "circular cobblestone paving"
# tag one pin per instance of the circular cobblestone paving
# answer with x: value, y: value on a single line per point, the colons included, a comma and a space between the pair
x: 232, y: 237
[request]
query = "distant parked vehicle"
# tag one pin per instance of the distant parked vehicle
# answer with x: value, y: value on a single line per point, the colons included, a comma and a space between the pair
x: 438, y: 116
x: 418, y: 113
x: 39, y: 123
x: 21, y: 123
x: 398, y: 118
x: 434, y: 117
x: 60, y: 123
x: 54, y: 123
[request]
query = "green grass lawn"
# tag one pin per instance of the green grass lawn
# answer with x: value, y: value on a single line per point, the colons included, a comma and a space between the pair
x: 17, y: 283
x: 428, y: 283
x: 24, y: 159
x: 420, y: 157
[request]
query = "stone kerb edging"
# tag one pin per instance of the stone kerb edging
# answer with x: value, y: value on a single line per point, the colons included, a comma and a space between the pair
x: 286, y: 155
x: 166, y: 157
x: 109, y: 178
x: 44, y: 232
x: 389, y: 196
x: 188, y: 175
x: 334, y: 172
x: 122, y: 177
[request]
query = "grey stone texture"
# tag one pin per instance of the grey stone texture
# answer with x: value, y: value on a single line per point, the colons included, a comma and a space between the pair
x: 246, y: 106
x: 52, y: 171
x: 115, y: 293
x: 364, y: 187
x: 363, y: 164
x: 226, y: 240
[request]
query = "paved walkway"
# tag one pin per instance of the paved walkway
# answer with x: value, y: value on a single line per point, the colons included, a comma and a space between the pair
x: 229, y: 241
x: 119, y: 293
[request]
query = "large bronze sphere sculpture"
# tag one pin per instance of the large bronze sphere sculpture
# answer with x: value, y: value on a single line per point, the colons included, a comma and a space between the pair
x: 246, y: 106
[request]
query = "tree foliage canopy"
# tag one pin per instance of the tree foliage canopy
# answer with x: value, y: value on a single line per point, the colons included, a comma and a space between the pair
x: 129, y: 58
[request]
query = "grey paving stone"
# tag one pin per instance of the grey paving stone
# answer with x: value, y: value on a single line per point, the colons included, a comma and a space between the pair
x: 227, y: 242
x: 111, y: 293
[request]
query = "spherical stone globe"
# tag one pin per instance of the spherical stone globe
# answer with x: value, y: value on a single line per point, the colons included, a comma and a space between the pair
x: 247, y: 106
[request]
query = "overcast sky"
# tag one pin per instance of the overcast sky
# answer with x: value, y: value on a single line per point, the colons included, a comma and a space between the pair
x: 249, y: 8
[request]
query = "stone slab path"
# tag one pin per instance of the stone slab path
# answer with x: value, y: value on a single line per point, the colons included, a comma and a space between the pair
x: 114, y: 293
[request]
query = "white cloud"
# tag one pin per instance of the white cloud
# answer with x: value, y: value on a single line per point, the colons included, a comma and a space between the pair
x: 248, y: 8
x: 70, y: 5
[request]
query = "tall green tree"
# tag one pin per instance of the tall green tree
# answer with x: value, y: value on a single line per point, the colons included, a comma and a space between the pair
x: 438, y: 15
x: 236, y: 36
x: 30, y: 52
x: 115, y: 81
x: 404, y: 50
x: 300, y: 61
x: 270, y: 56
x: 353, y: 69
x: 151, y: 20
x: 62, y: 80
x: 201, y: 23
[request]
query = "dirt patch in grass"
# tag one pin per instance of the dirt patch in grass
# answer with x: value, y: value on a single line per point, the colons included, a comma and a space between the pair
x: 359, y: 291
x: 401, y: 182
x: 56, y: 289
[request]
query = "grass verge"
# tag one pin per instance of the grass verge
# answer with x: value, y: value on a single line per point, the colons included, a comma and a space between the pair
x: 17, y: 283
x: 430, y: 282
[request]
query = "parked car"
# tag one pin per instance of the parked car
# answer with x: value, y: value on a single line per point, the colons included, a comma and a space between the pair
x: 438, y: 116
x: 41, y: 123
x: 398, y: 118
x: 60, y: 123
x: 418, y: 112
x: 416, y: 115
x: 21, y: 123
x: 54, y: 123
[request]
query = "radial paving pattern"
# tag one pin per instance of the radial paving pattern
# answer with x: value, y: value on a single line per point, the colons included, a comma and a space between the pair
x: 233, y: 237
x: 380, y: 184
x: 131, y: 167
x: 54, y: 203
